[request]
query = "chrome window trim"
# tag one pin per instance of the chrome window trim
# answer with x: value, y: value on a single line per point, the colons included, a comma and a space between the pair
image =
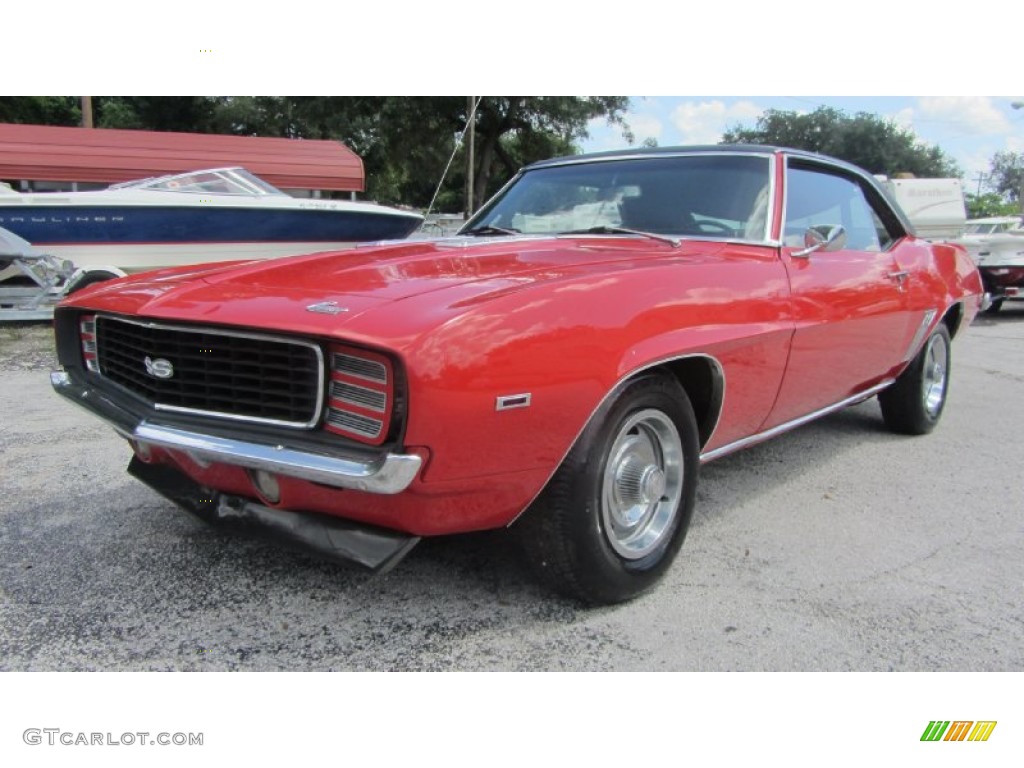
x: 468, y: 241
x: 236, y: 334
x: 583, y: 160
x: 843, y: 170
x: 681, y: 238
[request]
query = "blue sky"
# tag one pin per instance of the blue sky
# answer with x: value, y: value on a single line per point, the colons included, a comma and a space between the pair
x: 539, y: 47
x: 968, y: 128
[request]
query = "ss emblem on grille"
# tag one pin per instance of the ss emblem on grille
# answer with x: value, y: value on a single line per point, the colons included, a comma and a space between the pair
x: 159, y: 368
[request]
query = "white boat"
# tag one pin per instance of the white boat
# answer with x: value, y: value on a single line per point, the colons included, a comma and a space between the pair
x: 997, y: 246
x: 219, y: 214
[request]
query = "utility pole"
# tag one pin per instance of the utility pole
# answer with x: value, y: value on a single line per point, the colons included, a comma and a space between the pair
x: 87, y: 111
x: 471, y: 117
x: 980, y: 178
x: 1020, y: 188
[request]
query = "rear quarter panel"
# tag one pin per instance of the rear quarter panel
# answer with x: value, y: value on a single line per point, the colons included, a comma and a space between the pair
x: 941, y: 276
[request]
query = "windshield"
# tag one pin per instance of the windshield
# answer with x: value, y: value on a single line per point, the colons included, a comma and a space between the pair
x: 220, y: 181
x: 709, y: 195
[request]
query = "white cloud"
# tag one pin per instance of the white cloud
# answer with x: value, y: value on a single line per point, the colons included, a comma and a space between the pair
x: 970, y: 114
x: 704, y: 122
x: 974, y: 163
x: 645, y: 127
x: 904, y: 118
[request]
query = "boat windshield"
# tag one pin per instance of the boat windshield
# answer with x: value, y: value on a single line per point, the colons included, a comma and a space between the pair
x: 993, y: 226
x: 217, y: 181
x: 699, y: 195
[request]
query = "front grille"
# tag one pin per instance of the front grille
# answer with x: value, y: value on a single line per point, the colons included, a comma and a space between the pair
x: 229, y: 374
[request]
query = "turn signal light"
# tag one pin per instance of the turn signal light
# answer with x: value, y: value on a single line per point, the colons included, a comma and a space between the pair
x: 87, y: 332
x: 360, y: 395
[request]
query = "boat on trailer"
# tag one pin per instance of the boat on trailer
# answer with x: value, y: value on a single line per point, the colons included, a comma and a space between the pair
x: 997, y: 246
x: 40, y: 281
x: 219, y: 214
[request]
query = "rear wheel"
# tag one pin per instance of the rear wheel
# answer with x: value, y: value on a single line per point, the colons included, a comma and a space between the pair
x: 994, y: 307
x: 914, y: 404
x: 613, y: 517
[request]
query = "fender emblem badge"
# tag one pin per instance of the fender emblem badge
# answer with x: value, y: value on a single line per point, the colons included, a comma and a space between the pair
x: 507, y: 402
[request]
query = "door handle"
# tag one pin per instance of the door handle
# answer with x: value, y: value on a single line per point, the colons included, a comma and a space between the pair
x: 900, y: 277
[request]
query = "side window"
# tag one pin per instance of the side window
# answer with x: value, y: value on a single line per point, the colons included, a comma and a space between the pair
x: 817, y: 198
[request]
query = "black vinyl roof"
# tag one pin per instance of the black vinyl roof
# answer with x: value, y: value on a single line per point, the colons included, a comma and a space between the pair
x: 753, y: 149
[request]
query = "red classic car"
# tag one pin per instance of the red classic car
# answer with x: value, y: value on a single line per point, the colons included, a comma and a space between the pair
x: 604, y: 325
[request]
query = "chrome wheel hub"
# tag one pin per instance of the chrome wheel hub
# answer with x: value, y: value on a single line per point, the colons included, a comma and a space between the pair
x: 642, y: 484
x: 933, y: 385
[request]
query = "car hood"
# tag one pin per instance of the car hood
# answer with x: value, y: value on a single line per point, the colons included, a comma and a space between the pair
x: 320, y: 292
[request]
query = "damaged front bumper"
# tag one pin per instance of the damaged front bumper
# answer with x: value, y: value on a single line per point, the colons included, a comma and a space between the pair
x: 335, y: 538
x: 338, y: 540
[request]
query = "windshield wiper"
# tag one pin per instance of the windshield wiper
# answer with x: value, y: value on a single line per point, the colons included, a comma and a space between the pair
x: 674, y: 242
x: 490, y: 229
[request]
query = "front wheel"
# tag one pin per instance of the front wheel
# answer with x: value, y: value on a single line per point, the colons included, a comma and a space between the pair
x: 613, y: 517
x: 914, y: 403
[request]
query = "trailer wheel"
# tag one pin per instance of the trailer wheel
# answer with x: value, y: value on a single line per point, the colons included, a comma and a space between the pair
x: 86, y: 279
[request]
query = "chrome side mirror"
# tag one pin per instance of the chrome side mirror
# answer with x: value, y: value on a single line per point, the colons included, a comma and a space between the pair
x: 822, y: 239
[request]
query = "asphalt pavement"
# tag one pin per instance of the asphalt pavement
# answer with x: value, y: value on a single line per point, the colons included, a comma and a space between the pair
x: 838, y: 546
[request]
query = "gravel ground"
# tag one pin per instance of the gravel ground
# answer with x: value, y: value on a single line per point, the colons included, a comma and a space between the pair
x: 835, y: 547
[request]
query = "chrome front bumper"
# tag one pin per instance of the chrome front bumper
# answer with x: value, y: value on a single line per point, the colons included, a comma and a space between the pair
x: 389, y: 474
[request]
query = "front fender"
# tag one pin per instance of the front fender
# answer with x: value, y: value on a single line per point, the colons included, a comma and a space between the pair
x: 567, y: 345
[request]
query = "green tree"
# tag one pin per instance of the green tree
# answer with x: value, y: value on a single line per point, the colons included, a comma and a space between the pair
x: 988, y: 204
x: 1007, y: 176
x: 405, y: 142
x: 41, y: 110
x: 864, y: 139
x: 515, y: 130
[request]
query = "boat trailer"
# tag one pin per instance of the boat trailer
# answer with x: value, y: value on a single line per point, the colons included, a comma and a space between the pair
x: 32, y: 283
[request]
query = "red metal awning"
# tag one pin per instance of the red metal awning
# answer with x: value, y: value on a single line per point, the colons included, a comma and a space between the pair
x: 49, y: 153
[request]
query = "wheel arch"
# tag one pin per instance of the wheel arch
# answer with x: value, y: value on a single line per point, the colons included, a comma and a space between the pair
x: 703, y: 379
x: 700, y: 375
x: 954, y: 318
